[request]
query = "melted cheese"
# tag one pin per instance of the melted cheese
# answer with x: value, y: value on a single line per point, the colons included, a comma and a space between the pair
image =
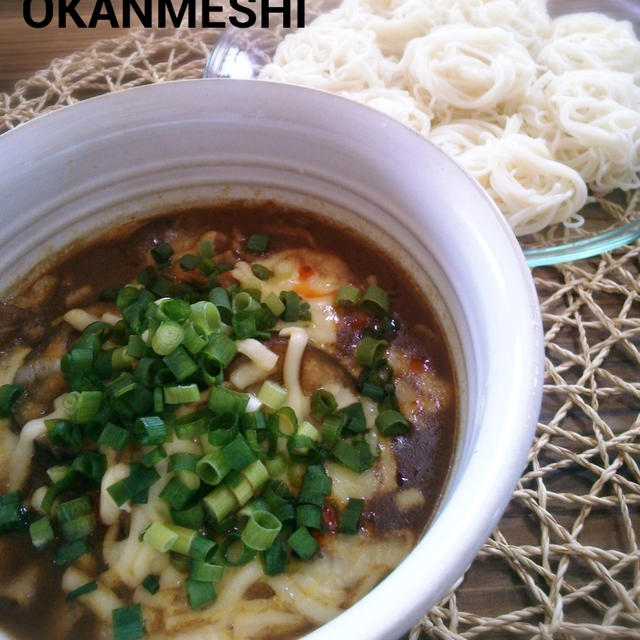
x: 327, y: 273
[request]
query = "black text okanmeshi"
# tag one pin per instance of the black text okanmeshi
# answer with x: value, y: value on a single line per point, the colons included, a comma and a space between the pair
x: 88, y: 14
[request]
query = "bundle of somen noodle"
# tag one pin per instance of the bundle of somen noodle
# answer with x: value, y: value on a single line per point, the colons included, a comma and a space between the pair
x: 539, y: 111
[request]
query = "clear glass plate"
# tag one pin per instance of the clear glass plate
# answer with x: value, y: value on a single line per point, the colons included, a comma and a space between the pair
x: 609, y: 222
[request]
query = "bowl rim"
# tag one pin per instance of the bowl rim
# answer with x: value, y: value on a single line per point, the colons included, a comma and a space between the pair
x: 497, y: 482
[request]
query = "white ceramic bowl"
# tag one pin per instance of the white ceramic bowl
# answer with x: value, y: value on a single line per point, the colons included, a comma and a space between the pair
x: 65, y: 176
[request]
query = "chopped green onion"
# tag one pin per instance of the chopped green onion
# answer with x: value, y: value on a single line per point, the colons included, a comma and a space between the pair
x: 261, y: 272
x: 302, y: 543
x: 205, y: 248
x: 181, y: 563
x: 205, y: 316
x: 202, y: 549
x: 207, y: 266
x: 307, y: 430
x: 183, y: 461
x: 315, y: 485
x: 221, y: 349
x: 114, y: 437
x: 391, y: 423
x: 220, y: 502
x: 244, y: 327
x: 276, y: 465
x: 128, y: 623
x: 150, y: 430
x: 181, y: 394
x: 244, y: 304
x: 258, y: 242
x: 238, y: 453
x: 192, y: 425
x: 350, y: 520
x: 375, y: 301
x: 200, y: 594
x: 234, y: 552
x: 82, y: 406
x: 12, y: 513
x: 369, y: 351
x: 176, y: 494
x: 372, y: 390
x: 256, y: 474
x: 261, y: 530
x: 194, y: 339
x: 139, y: 481
x: 274, y: 304
x: 300, y: 445
x: 184, y: 540
x: 213, y: 467
x: 347, y: 295
x: 274, y: 559
x: 220, y: 298
x: 309, y: 515
x: 120, y: 359
x: 272, y: 395
x: 332, y: 427
x: 206, y: 571
x: 180, y: 363
x: 77, y: 359
x: 168, y: 337
x: 69, y: 552
x: 79, y: 527
x: 254, y: 289
x: 80, y: 591
x: 323, y: 403
x: 158, y: 400
x: 73, y: 509
x: 136, y: 348
x: 154, y: 456
x: 161, y: 254
x: 160, y: 537
x: 189, y: 262
x: 53, y: 492
x: 355, y: 455
x: 63, y: 433
x: 162, y: 288
x: 189, y: 479
x: 240, y: 487
x: 127, y: 296
x: 255, y: 420
x: 41, y: 533
x: 218, y: 437
x: 287, y: 421
x: 90, y: 464
x: 295, y: 308
x: 356, y: 422
x: 223, y: 400
x: 191, y: 518
x: 151, y: 584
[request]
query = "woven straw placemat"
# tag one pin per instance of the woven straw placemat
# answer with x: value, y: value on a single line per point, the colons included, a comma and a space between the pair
x: 564, y: 562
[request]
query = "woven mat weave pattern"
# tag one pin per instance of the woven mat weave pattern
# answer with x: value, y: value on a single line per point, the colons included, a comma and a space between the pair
x: 583, y: 475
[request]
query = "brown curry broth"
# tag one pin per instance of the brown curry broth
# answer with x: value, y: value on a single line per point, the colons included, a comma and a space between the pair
x: 423, y: 456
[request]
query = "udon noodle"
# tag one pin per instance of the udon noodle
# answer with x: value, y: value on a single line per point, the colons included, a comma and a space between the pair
x: 568, y: 87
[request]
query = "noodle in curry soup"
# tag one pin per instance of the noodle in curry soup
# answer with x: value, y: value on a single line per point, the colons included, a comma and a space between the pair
x: 227, y: 423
